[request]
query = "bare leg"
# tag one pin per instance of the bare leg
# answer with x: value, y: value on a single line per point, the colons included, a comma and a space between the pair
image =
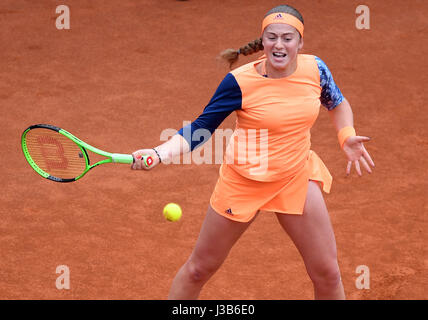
x: 217, y: 236
x: 313, y: 235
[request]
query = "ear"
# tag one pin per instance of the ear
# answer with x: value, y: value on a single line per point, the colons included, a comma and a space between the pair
x: 300, y: 43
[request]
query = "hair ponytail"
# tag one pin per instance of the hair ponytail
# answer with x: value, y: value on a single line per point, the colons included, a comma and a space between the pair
x: 232, y: 55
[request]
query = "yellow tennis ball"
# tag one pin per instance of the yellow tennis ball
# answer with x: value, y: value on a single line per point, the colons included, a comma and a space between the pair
x: 172, y: 212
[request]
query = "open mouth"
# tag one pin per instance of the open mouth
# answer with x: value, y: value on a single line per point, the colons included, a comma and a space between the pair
x: 279, y: 55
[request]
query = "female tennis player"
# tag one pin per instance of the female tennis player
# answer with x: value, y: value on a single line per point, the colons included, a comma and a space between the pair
x: 277, y: 100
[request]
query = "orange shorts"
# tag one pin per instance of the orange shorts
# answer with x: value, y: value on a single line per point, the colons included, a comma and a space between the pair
x: 238, y: 198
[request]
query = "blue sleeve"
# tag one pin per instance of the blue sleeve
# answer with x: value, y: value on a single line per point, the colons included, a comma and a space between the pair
x: 226, y: 99
x: 330, y: 93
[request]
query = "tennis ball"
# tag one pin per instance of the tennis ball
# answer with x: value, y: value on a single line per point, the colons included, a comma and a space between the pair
x: 172, y: 212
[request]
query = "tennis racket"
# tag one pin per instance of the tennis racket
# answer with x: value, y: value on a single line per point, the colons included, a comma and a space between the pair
x: 57, y: 155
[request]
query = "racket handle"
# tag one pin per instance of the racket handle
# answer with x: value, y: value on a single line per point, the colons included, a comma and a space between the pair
x: 122, y: 158
x: 147, y: 160
x: 127, y: 158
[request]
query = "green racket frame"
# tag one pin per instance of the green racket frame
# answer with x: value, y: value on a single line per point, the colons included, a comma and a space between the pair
x: 110, y: 157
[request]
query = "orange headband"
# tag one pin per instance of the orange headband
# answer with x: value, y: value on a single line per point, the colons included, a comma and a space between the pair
x: 286, y: 18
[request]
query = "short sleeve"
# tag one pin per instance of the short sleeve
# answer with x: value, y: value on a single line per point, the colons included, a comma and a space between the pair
x: 331, y: 96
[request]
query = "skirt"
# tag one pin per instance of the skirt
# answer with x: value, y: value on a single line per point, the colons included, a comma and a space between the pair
x: 238, y: 198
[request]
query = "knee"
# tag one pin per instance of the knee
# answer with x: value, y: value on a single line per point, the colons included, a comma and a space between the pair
x: 199, y: 271
x: 326, y: 276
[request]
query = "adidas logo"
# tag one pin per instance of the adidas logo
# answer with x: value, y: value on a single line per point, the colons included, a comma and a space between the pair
x: 229, y: 211
x: 278, y: 16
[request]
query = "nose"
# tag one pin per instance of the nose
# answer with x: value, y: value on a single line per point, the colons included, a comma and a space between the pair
x: 279, y: 44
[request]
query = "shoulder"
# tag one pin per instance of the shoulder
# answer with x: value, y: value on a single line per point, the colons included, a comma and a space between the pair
x: 247, y: 68
x: 308, y: 67
x: 324, y: 71
x: 228, y: 88
x: 322, y: 66
x: 228, y: 83
x: 320, y: 62
x: 308, y: 61
x: 306, y: 57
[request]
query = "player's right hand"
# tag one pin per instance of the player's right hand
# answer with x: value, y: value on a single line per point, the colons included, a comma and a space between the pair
x: 139, y: 162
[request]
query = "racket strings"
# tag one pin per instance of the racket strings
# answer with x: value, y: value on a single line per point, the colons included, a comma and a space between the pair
x: 55, y: 154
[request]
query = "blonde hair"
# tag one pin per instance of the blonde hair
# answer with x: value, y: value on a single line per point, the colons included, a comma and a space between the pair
x: 231, y: 56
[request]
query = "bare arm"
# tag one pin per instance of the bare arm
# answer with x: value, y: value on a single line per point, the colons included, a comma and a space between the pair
x: 342, y: 115
x: 353, y: 147
x: 175, y: 146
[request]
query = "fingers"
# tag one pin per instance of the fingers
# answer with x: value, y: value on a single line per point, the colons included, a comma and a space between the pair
x: 355, y: 142
x: 138, y: 163
x: 363, y: 138
x: 367, y: 157
x: 357, y: 166
x: 356, y: 156
x: 365, y: 164
x: 348, y: 168
x: 144, y: 159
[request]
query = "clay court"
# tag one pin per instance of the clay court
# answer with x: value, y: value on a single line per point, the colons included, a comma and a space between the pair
x: 127, y: 70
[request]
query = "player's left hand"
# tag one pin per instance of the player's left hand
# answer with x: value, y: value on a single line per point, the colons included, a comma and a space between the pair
x: 356, y: 152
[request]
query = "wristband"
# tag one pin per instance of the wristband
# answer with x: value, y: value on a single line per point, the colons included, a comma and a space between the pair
x: 160, y: 160
x: 344, y: 134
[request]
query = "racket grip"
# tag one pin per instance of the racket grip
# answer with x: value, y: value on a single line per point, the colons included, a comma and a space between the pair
x: 147, y: 160
x: 122, y: 158
x: 127, y: 158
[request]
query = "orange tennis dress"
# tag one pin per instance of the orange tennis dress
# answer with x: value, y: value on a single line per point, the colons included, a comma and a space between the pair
x: 268, y: 162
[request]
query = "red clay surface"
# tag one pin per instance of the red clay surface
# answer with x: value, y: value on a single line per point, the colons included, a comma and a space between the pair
x: 125, y: 71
